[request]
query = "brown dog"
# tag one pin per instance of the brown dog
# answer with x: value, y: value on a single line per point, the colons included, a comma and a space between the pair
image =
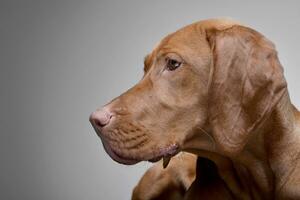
x: 167, y: 184
x: 214, y: 88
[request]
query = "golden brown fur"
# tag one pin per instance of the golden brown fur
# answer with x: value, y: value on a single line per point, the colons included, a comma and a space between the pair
x: 227, y: 103
x: 170, y: 183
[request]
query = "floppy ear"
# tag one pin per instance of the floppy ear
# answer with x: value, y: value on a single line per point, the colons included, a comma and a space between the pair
x: 246, y: 84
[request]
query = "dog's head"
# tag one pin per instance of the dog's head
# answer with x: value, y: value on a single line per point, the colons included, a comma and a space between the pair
x: 208, y: 85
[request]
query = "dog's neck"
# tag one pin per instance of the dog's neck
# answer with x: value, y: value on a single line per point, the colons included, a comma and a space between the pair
x: 282, y: 142
x: 268, y: 161
x: 272, y: 153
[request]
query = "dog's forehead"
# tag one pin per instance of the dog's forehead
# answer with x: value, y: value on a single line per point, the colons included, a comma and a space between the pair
x: 218, y: 24
x: 190, y: 33
x: 187, y: 36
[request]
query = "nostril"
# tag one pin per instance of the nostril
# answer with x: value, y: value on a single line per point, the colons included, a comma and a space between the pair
x: 98, y: 123
x: 100, y: 118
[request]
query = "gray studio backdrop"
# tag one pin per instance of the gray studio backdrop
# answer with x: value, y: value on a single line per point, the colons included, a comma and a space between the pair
x: 60, y: 60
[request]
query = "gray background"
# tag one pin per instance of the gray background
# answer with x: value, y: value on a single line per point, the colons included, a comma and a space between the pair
x: 62, y: 59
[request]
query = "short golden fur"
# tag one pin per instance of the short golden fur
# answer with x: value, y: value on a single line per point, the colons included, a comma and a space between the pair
x: 228, y: 103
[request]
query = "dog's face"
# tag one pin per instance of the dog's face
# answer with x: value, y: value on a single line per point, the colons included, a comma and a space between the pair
x: 153, y: 118
x: 169, y: 107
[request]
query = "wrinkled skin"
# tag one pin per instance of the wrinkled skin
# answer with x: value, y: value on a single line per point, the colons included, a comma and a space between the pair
x: 227, y: 102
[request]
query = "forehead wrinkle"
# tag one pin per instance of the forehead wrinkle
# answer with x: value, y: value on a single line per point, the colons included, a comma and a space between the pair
x: 179, y: 50
x: 170, y: 44
x: 169, y: 49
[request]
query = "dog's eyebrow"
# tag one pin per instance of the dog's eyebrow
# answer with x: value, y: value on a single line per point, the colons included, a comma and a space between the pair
x: 147, y: 63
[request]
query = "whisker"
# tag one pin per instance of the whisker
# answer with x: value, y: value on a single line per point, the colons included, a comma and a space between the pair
x: 210, y: 137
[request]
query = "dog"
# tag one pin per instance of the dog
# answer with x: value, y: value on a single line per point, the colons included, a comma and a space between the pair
x: 171, y: 183
x: 216, y: 89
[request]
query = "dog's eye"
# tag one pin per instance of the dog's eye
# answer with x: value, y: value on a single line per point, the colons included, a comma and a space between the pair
x: 173, y: 64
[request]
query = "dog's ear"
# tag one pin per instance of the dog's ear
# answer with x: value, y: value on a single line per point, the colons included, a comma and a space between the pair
x: 246, y: 83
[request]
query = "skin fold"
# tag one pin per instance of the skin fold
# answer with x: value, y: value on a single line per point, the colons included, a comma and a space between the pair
x: 216, y: 89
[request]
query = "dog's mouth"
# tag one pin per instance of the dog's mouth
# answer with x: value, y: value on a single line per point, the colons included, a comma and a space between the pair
x: 117, y: 157
x: 130, y: 156
x: 163, y: 153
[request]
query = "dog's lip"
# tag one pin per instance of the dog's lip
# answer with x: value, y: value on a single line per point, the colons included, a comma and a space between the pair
x: 116, y: 157
x: 168, y: 151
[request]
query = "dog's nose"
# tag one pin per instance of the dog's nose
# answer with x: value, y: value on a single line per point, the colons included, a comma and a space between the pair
x: 100, y: 118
